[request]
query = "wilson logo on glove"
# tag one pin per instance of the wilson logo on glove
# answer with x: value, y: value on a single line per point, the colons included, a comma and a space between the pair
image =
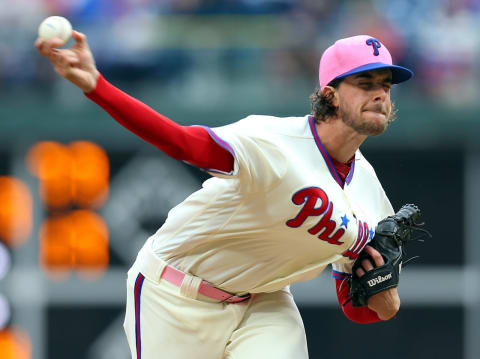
x: 379, y: 279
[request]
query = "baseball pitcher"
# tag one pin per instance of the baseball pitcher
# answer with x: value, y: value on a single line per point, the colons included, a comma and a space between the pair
x: 287, y: 198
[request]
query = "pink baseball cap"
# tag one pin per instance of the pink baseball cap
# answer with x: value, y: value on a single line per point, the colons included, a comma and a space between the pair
x: 356, y: 54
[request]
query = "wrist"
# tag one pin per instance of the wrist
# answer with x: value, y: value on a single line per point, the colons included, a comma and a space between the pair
x: 92, y: 85
x: 386, y: 304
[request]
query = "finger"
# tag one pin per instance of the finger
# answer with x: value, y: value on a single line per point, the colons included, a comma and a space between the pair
x: 65, y: 52
x: 367, y: 265
x: 58, y: 58
x: 67, y: 60
x: 53, y: 43
x: 64, y: 55
x: 80, y: 39
x: 360, y: 272
x: 38, y: 43
x: 45, y: 47
x: 375, y: 255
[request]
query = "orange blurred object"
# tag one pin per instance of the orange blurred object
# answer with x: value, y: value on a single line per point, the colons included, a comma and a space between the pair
x: 90, y: 176
x: 78, y: 173
x: 78, y: 240
x: 56, y: 235
x: 15, y: 211
x: 51, y: 162
x: 91, y: 240
x: 15, y: 344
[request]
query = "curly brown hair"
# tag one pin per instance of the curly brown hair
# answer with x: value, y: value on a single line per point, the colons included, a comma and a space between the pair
x: 322, y: 106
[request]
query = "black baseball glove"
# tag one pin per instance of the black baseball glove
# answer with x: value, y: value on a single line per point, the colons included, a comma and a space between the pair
x: 390, y: 236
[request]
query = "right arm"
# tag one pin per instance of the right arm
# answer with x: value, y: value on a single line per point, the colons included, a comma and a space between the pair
x: 192, y: 144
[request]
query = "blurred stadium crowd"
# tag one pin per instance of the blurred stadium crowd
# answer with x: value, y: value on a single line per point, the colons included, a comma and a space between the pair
x: 263, y: 39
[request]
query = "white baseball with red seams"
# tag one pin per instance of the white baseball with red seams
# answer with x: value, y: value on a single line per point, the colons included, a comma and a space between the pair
x: 55, y: 27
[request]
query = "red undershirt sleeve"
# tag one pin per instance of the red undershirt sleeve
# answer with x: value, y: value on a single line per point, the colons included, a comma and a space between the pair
x: 362, y: 315
x: 191, y: 144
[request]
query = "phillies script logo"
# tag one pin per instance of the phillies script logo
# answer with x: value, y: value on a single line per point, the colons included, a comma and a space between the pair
x: 308, y: 197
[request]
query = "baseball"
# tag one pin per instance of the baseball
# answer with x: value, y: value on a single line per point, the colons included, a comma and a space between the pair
x: 55, y: 26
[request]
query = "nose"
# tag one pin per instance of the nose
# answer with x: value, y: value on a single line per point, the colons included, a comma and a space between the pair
x: 381, y: 94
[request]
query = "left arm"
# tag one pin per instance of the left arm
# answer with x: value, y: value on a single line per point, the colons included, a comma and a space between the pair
x: 386, y: 303
x: 374, y: 282
x: 381, y: 306
x: 361, y: 315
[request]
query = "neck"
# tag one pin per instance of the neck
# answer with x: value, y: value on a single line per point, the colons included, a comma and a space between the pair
x: 340, y: 141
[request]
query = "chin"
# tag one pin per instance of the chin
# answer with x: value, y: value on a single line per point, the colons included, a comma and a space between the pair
x: 374, y: 124
x: 375, y: 131
x: 371, y: 127
x: 367, y: 124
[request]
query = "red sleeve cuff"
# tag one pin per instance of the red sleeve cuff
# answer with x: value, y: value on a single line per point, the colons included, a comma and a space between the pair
x: 362, y: 315
x: 102, y: 87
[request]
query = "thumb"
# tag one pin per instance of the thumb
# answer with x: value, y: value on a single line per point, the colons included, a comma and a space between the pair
x: 80, y: 39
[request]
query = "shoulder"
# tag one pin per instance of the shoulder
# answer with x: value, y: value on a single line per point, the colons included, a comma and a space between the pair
x: 366, y: 172
x: 368, y: 178
x: 362, y: 162
x: 264, y: 130
x: 286, y: 126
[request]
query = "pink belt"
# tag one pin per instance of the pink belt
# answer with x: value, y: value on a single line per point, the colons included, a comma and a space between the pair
x: 175, y: 276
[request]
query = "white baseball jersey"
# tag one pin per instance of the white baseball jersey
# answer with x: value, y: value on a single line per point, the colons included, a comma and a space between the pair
x: 280, y: 217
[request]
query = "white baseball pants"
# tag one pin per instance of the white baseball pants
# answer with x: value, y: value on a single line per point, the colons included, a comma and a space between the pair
x: 166, y: 321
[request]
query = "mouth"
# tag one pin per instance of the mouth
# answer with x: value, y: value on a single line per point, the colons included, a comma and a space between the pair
x: 378, y: 112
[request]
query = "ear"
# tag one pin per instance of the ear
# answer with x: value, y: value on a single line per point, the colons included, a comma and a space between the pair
x: 331, y: 93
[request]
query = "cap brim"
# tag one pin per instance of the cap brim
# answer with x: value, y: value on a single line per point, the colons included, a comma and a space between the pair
x: 399, y: 73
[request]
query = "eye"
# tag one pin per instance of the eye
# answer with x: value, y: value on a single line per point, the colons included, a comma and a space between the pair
x: 365, y: 85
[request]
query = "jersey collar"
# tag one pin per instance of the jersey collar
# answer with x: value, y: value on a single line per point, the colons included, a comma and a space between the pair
x: 327, y: 158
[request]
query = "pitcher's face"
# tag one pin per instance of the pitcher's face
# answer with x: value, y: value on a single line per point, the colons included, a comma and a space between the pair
x: 364, y: 102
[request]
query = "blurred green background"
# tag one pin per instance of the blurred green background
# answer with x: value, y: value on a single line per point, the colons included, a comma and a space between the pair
x: 212, y: 62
